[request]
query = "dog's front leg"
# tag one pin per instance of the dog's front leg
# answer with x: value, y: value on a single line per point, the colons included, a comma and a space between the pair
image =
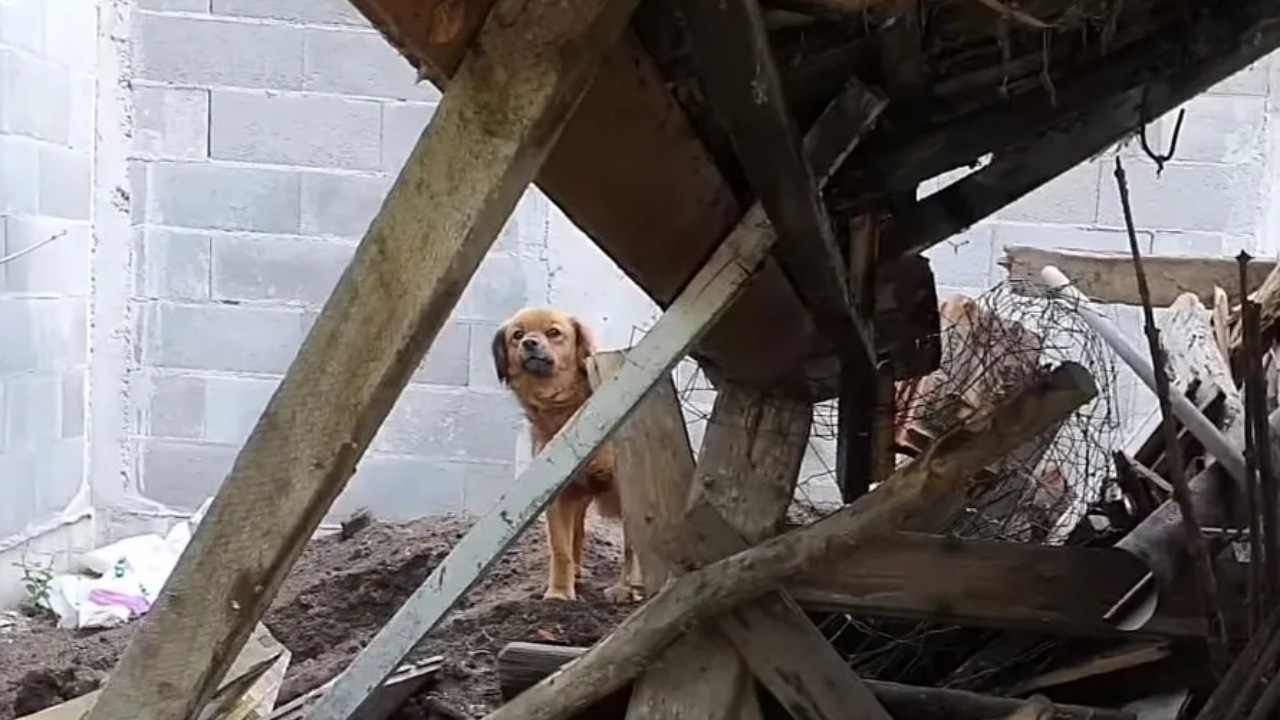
x: 560, y: 566
x: 630, y: 585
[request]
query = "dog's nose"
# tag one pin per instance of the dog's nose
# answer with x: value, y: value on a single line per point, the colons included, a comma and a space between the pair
x: 529, y: 344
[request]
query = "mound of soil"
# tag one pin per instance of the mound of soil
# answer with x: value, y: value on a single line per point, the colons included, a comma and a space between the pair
x: 335, y: 600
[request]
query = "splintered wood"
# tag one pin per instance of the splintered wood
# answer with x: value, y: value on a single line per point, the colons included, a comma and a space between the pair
x: 725, y: 584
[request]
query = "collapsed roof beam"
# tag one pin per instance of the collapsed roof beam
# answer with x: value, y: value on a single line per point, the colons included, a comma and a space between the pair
x: 734, y: 63
x: 1222, y: 46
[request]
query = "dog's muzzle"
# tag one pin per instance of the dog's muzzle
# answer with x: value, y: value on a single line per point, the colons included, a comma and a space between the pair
x: 535, y: 360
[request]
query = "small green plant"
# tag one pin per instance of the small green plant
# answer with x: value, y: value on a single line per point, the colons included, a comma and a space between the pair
x: 35, y: 581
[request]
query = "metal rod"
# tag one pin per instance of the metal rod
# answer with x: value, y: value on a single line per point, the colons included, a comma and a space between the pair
x: 1206, y: 583
x: 1231, y: 459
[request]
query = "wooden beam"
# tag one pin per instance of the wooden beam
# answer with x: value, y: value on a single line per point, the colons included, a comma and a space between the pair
x: 500, y: 118
x: 987, y: 583
x: 1244, y: 33
x: 522, y: 665
x: 712, y: 290
x: 750, y: 459
x: 654, y: 467
x: 1108, y: 277
x: 731, y: 56
x: 1225, y: 41
x: 712, y: 590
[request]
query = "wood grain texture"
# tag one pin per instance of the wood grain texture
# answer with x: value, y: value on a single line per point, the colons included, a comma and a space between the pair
x: 483, y: 147
x: 710, y: 591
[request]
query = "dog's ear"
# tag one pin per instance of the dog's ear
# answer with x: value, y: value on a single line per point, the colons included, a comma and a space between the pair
x: 585, y: 344
x: 499, y: 350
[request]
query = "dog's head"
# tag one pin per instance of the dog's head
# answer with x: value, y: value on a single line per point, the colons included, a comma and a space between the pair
x: 542, y: 343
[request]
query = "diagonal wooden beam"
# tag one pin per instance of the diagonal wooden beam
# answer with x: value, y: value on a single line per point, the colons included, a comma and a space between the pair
x: 1239, y: 35
x: 503, y: 112
x: 729, y: 45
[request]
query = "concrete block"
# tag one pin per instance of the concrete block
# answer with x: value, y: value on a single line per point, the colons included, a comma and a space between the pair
x: 32, y: 404
x: 331, y: 12
x: 221, y: 337
x: 306, y: 130
x: 71, y: 33
x: 65, y: 183
x: 464, y: 425
x: 139, y: 173
x: 447, y: 362
x: 183, y: 475
x: 485, y: 483
x: 233, y: 405
x: 289, y: 270
x: 83, y: 112
x: 1173, y: 242
x: 171, y: 123
x: 22, y: 25
x: 17, y: 473
x: 965, y: 259
x: 172, y: 264
x: 361, y: 63
x: 1213, y: 198
x: 481, y: 372
x: 1069, y: 198
x: 2, y: 424
x: 19, y: 173
x: 192, y: 6
x: 73, y: 407
x: 209, y: 52
x: 402, y: 125
x: 42, y: 334
x: 399, y: 488
x: 43, y: 91
x: 222, y: 197
x: 59, y: 267
x: 1218, y: 129
x: 175, y: 407
x: 59, y: 476
x: 497, y: 290
x: 341, y: 205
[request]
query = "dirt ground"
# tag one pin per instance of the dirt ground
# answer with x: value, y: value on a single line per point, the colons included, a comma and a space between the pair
x: 338, y: 596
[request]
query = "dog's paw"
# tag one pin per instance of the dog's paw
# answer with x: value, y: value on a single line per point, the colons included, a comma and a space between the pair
x: 621, y: 594
x: 558, y: 594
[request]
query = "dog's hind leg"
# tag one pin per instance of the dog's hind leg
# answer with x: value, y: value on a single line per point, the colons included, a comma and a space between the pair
x: 579, y: 532
x: 560, y: 566
x: 630, y: 585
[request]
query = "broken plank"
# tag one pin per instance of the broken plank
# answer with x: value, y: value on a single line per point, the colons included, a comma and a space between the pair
x: 750, y: 459
x: 1108, y: 277
x: 522, y: 665
x: 988, y: 583
x: 500, y: 117
x: 715, y: 588
x: 1109, y: 661
x: 733, y: 60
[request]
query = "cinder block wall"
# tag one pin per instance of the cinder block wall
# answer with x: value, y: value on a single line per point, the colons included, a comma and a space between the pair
x: 47, y: 51
x: 239, y: 150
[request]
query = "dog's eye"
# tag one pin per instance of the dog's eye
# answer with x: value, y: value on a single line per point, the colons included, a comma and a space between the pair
x: 553, y: 333
x: 517, y: 335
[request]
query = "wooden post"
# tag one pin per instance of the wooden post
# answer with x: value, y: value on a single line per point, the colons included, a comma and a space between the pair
x: 654, y: 468
x: 720, y: 586
x: 500, y: 117
x: 750, y: 459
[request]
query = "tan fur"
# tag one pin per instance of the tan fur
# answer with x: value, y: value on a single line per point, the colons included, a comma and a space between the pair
x: 549, y: 396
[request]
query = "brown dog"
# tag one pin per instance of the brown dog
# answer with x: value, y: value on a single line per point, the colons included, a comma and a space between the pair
x: 542, y: 354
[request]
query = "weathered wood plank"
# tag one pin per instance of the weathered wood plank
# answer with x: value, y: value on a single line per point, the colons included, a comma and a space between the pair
x: 1108, y: 277
x: 712, y: 590
x: 1234, y: 39
x: 521, y: 665
x: 987, y: 583
x: 731, y: 55
x: 500, y: 118
x: 654, y: 468
x: 750, y: 459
